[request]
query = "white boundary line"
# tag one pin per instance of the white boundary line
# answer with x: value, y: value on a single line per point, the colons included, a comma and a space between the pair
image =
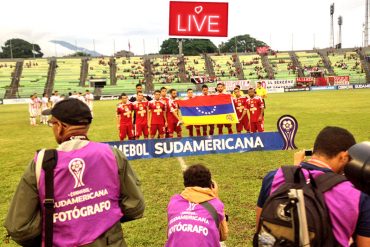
x: 182, y: 163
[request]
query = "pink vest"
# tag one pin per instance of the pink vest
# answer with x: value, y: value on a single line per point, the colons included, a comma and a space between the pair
x: 191, y: 225
x: 86, y: 194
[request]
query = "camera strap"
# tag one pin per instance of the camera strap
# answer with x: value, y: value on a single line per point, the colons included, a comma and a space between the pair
x: 48, y: 164
x: 208, y: 206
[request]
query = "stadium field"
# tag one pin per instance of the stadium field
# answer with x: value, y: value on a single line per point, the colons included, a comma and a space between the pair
x: 238, y: 175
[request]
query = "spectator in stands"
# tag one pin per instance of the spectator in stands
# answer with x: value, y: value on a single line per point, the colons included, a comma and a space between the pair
x: 199, y: 199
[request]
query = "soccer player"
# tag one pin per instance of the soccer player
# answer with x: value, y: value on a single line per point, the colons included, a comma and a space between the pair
x: 44, y: 106
x: 89, y: 98
x: 124, y: 118
x: 190, y: 95
x: 173, y: 116
x: 55, y: 98
x: 221, y: 90
x: 139, y: 89
x: 205, y: 92
x: 38, y: 102
x: 157, y: 115
x: 240, y: 104
x: 141, y: 113
x: 166, y: 100
x: 33, y: 110
x: 256, y: 109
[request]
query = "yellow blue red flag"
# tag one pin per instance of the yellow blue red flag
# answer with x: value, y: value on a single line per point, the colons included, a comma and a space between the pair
x: 211, y: 109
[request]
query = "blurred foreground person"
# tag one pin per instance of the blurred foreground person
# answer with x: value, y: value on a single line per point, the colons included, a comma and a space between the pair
x: 77, y: 194
x: 337, y: 214
x: 196, y: 217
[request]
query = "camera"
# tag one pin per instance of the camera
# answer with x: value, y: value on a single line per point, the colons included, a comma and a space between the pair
x: 357, y: 170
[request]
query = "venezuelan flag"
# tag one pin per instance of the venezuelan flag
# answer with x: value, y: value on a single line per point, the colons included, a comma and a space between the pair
x: 211, y: 109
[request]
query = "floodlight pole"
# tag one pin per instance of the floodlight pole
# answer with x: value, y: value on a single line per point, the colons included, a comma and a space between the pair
x: 33, y: 50
x: 332, y: 26
x: 340, y: 23
x: 11, y: 49
x: 366, y: 33
x: 180, y: 46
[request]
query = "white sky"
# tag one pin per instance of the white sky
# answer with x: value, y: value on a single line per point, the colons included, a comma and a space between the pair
x: 117, y: 21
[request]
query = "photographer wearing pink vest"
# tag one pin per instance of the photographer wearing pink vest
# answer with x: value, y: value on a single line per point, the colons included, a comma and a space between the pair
x: 83, y: 190
x: 196, y: 217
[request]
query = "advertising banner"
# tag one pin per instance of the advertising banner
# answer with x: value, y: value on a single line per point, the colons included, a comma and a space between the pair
x: 193, y: 146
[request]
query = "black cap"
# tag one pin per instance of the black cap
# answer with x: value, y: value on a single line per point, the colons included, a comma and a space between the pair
x: 71, y: 111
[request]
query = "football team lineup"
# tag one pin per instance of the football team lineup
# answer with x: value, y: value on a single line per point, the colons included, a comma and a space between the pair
x: 238, y: 175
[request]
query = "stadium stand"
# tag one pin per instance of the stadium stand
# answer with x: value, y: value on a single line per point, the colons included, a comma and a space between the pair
x: 33, y: 78
x: 165, y: 69
x: 282, y: 66
x: 224, y: 67
x: 6, y: 70
x: 67, y: 75
x: 195, y: 66
x: 311, y: 62
x: 252, y: 67
x: 347, y: 64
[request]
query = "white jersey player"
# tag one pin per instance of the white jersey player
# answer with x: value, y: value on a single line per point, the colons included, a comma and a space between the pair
x: 44, y: 106
x: 89, y: 98
x: 55, y: 98
x: 33, y: 110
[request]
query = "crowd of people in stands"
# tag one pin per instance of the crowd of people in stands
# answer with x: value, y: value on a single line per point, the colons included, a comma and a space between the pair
x: 5, y: 65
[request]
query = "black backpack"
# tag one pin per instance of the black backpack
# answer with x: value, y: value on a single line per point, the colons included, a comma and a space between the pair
x: 278, y: 222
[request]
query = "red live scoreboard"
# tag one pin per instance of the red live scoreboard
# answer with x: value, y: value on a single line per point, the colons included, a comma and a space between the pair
x: 198, y: 19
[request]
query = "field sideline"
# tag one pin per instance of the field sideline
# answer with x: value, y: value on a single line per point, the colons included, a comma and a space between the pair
x: 238, y: 175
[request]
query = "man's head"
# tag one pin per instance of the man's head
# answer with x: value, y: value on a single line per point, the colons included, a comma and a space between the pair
x: 237, y: 92
x: 331, y: 145
x: 44, y: 95
x: 220, y: 87
x: 139, y: 88
x: 124, y: 98
x: 190, y: 93
x: 173, y: 93
x: 251, y: 92
x: 163, y: 92
x: 157, y: 94
x: 87, y: 92
x: 197, y: 175
x: 259, y: 84
x: 140, y: 97
x: 205, y: 89
x: 70, y: 117
x: 56, y: 93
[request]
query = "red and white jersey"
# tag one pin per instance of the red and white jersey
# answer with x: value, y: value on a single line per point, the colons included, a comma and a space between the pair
x: 157, y: 108
x: 254, y: 106
x: 125, y: 113
x: 33, y: 107
x: 141, y: 112
x: 44, y: 103
x: 172, y: 107
x: 240, y: 105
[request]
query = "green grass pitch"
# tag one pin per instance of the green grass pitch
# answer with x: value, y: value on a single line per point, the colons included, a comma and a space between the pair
x: 238, y: 175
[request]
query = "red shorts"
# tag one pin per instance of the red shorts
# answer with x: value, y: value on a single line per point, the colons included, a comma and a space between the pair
x: 244, y: 123
x: 141, y: 129
x: 172, y: 127
x: 155, y: 127
x: 126, y: 130
x: 257, y: 127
